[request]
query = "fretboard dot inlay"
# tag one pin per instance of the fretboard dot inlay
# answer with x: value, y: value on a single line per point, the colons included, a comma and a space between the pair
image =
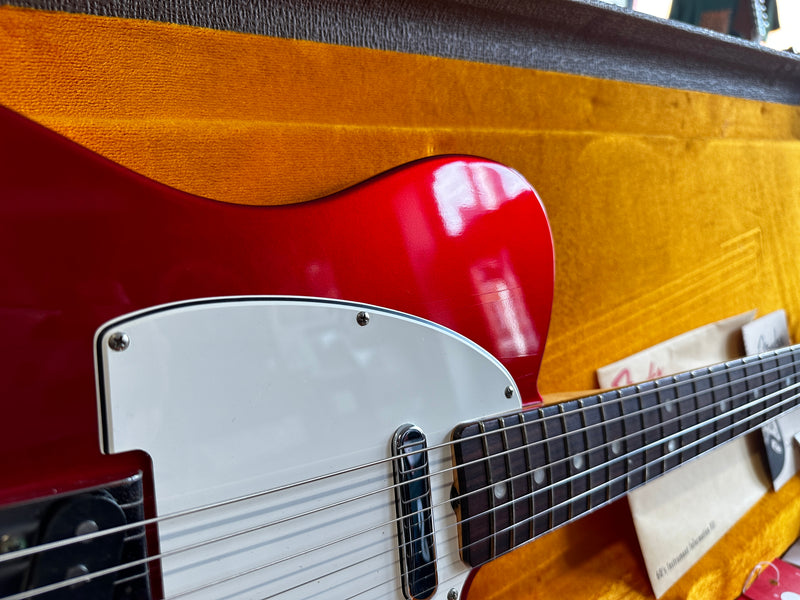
x: 616, y: 446
x: 499, y: 491
x: 577, y: 461
x: 672, y: 445
x: 538, y: 476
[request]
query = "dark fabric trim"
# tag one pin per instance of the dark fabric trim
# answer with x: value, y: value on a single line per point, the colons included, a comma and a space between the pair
x: 569, y: 36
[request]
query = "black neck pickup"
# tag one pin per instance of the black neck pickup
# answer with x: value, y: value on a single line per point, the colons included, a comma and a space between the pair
x: 521, y: 475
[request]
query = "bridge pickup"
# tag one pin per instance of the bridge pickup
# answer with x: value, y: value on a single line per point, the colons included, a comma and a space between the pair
x: 52, y: 522
x: 415, y: 521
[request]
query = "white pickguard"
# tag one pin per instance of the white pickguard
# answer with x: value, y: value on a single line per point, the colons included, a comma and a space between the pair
x: 234, y: 396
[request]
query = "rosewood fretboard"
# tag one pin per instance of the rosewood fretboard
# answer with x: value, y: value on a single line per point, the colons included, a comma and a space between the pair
x: 527, y: 473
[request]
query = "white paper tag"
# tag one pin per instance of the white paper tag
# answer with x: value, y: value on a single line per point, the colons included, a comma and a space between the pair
x: 771, y: 332
x: 679, y: 516
x: 703, y: 346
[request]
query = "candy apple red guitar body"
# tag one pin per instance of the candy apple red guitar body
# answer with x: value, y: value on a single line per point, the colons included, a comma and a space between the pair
x: 460, y: 241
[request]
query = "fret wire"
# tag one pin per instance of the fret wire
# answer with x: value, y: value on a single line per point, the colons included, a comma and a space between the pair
x: 614, y: 406
x: 668, y: 427
x: 705, y: 406
x: 787, y: 366
x: 632, y: 431
x: 695, y: 411
x: 590, y: 451
x: 652, y: 431
x: 543, y: 519
x: 774, y: 375
x: 569, y: 464
x: 576, y: 451
x: 549, y: 463
x: 509, y: 486
x: 522, y: 486
x: 729, y: 401
x: 751, y: 393
x: 489, y: 491
x: 531, y: 482
x: 565, y: 480
x: 574, y: 455
x: 593, y: 418
x: 502, y: 517
x: 739, y: 389
x: 703, y: 416
x: 721, y: 420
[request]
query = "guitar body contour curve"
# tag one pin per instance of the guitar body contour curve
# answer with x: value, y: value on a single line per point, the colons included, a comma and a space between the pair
x: 460, y: 241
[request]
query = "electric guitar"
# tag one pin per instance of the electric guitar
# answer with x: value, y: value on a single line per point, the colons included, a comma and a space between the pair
x: 335, y: 399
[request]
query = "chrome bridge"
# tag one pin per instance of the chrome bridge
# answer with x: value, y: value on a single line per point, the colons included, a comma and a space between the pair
x: 414, y: 523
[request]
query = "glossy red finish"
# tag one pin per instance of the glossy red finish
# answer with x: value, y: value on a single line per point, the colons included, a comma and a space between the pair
x: 457, y: 240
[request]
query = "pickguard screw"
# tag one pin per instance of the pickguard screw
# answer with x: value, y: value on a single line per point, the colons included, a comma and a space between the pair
x: 509, y: 392
x: 119, y: 341
x: 362, y: 318
x: 452, y: 594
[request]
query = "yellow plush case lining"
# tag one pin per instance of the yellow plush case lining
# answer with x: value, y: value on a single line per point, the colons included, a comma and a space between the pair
x: 669, y: 209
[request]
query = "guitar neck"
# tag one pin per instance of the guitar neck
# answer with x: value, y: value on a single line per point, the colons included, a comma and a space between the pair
x: 527, y: 473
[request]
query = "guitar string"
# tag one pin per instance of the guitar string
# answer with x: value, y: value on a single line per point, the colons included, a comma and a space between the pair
x: 550, y: 511
x: 541, y: 490
x: 562, y: 505
x: 723, y: 416
x: 566, y: 503
x: 699, y: 441
x: 607, y: 485
x: 541, y: 419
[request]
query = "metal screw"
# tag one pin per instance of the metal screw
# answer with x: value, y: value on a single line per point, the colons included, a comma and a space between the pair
x: 452, y: 594
x: 119, y: 341
x: 509, y: 392
x: 85, y: 527
x: 76, y: 571
x: 362, y: 318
